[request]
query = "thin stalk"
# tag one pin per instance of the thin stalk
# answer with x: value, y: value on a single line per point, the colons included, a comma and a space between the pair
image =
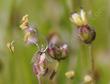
x: 39, y: 80
x: 92, y: 61
x: 36, y: 44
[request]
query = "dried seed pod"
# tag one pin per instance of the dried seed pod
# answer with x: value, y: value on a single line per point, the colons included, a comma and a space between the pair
x: 70, y: 74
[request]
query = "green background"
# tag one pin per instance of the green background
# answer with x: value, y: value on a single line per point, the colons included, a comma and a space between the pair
x: 47, y: 16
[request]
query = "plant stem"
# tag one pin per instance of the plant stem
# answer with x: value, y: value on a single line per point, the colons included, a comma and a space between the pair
x: 36, y: 44
x: 39, y: 80
x: 92, y: 61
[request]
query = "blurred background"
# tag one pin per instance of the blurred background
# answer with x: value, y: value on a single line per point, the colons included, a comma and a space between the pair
x: 47, y: 16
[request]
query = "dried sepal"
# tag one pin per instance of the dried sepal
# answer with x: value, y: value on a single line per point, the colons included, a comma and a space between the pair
x: 30, y: 34
x: 76, y: 19
x: 79, y: 19
x: 24, y: 22
x: 10, y: 46
x: 25, y: 18
x: 83, y: 17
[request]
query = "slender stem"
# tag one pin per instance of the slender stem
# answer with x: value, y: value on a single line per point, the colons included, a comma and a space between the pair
x: 92, y: 62
x: 39, y: 80
x: 57, y: 65
x: 36, y: 44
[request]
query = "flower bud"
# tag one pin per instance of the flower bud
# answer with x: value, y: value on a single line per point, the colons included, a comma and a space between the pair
x: 56, y: 49
x: 58, y: 52
x: 39, y: 64
x: 86, y: 34
x: 70, y: 74
x: 88, y: 79
x: 30, y: 36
